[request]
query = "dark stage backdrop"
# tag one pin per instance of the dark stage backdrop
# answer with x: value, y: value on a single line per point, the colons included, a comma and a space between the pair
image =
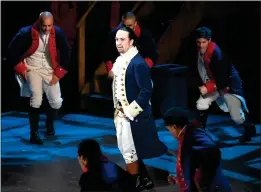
x: 237, y: 34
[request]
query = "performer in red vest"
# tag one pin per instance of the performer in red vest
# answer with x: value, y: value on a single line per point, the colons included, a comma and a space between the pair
x: 219, y: 81
x: 40, y: 55
x: 145, y: 43
x: 198, y: 162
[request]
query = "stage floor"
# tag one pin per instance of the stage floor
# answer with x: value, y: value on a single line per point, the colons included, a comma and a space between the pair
x: 54, y: 166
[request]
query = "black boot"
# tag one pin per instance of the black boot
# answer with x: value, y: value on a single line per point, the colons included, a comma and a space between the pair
x: 146, y: 180
x: 202, y: 117
x: 250, y: 129
x: 249, y: 132
x: 138, y: 183
x: 51, y: 115
x: 34, y: 116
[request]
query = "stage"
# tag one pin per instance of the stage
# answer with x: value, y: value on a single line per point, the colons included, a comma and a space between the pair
x: 54, y: 165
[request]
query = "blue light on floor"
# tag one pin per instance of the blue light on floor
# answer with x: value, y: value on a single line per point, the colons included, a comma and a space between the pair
x: 255, y: 163
x: 231, y: 153
x: 72, y: 128
x: 238, y: 176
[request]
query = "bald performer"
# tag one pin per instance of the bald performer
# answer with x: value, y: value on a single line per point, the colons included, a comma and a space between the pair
x: 40, y: 54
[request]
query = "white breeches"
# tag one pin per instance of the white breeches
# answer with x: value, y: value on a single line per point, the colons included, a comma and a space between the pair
x: 230, y: 102
x: 124, y: 138
x: 37, y: 86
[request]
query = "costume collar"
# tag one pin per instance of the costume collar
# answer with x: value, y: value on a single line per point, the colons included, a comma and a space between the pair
x: 130, y: 53
x: 124, y: 60
x: 182, y: 132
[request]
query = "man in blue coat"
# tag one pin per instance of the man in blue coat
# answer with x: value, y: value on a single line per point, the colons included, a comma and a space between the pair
x: 40, y: 55
x: 132, y: 89
x: 145, y: 42
x: 198, y: 162
x: 220, y: 81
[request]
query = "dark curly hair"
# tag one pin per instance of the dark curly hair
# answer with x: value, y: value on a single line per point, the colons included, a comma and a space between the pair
x: 203, y: 32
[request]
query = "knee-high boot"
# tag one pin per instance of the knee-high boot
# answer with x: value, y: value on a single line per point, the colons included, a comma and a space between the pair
x: 51, y: 115
x: 133, y: 169
x: 34, y: 116
x: 147, y: 181
x: 202, y: 117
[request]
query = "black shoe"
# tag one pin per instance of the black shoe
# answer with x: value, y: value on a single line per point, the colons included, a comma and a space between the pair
x: 35, y: 139
x: 138, y: 182
x: 250, y: 131
x: 148, y: 183
x: 34, y: 116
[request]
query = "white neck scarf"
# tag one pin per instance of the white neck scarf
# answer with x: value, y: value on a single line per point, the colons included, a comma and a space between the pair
x: 124, y: 60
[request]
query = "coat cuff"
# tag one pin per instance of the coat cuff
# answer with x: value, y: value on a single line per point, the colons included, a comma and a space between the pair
x: 211, y: 86
x: 60, y: 72
x: 20, y: 67
x: 108, y: 65
x: 149, y: 62
x: 134, y: 109
x: 127, y: 113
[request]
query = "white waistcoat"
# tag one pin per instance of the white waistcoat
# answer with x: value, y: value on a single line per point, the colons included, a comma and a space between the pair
x: 119, y: 71
x: 39, y: 62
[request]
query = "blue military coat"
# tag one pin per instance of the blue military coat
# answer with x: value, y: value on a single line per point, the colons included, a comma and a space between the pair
x: 136, y: 90
x: 200, y: 161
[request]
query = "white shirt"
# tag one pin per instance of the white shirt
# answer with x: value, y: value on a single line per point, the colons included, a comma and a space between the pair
x: 202, y: 69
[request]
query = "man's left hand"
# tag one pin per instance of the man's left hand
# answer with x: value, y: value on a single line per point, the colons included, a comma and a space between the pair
x: 54, y: 80
x: 203, y: 90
